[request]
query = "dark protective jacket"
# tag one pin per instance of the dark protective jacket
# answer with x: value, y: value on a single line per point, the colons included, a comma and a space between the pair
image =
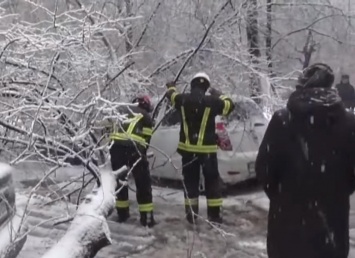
x: 138, y: 130
x: 347, y: 94
x: 306, y: 165
x: 198, y: 112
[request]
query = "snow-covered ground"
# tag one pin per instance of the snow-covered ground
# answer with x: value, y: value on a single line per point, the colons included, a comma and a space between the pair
x: 242, y: 235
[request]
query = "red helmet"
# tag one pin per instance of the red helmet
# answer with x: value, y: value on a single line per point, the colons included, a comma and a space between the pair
x: 144, y: 103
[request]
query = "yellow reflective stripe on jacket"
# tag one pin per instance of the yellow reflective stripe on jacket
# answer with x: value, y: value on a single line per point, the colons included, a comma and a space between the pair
x: 122, y: 204
x: 199, y: 147
x: 192, y: 201
x: 214, y: 202
x: 186, y: 129
x: 196, y: 148
x: 201, y: 134
x: 172, y: 99
x: 227, y: 106
x: 133, y: 124
x: 147, y: 131
x: 145, y: 207
x: 123, y: 136
x: 128, y: 135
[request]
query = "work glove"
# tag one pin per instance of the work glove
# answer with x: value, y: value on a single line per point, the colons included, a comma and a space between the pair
x: 170, y: 85
x: 215, y: 92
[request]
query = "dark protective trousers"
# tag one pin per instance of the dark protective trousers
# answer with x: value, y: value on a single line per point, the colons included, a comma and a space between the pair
x: 128, y: 155
x: 191, y: 173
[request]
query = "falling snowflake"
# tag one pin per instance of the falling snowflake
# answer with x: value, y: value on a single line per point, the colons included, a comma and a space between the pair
x: 311, y: 120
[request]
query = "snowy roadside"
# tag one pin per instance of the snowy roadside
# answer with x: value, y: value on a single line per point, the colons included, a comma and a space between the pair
x: 243, y: 234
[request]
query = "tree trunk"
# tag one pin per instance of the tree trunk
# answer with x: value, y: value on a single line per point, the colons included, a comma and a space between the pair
x: 269, y: 34
x: 268, y: 42
x: 308, y: 50
x: 89, y: 231
x: 129, y: 36
x: 254, y: 51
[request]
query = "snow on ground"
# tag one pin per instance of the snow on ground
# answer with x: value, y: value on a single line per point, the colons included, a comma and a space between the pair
x: 242, y: 235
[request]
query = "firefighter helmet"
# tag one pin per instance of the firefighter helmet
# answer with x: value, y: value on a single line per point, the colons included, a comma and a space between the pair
x: 201, y: 80
x: 144, y: 103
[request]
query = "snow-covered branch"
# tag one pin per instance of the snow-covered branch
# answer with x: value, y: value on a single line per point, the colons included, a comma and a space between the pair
x: 89, y: 232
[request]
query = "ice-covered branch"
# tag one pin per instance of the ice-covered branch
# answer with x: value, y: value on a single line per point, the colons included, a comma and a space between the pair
x: 89, y: 232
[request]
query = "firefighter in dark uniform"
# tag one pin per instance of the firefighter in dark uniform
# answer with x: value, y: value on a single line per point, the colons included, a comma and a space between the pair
x: 130, y: 143
x: 198, y: 143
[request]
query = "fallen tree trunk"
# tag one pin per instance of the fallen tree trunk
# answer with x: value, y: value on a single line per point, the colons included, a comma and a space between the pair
x: 89, y: 231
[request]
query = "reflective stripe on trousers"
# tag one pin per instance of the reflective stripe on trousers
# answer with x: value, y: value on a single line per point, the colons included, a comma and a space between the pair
x: 148, y: 207
x: 192, y: 201
x: 122, y: 204
x: 214, y: 202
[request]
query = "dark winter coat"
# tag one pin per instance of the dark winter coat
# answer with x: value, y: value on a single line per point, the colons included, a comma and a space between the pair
x: 306, y: 165
x: 347, y: 94
x: 198, y: 113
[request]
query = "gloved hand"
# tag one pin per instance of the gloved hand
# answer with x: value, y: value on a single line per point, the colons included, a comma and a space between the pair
x: 215, y: 92
x: 170, y: 84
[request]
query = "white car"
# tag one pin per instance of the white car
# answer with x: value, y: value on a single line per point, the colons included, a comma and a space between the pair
x: 239, y: 135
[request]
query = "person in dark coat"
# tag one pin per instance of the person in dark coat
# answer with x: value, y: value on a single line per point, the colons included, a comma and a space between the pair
x: 306, y: 166
x: 346, y: 92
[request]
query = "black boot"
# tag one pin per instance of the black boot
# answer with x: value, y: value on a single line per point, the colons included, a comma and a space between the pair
x: 214, y: 215
x: 123, y: 214
x: 147, y: 219
x: 151, y: 221
x: 191, y: 213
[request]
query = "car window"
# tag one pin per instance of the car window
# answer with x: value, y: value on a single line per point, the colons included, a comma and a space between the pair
x: 171, y: 118
x: 244, y: 109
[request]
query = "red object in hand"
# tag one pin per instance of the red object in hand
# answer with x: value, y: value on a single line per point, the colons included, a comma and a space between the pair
x: 223, y: 140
